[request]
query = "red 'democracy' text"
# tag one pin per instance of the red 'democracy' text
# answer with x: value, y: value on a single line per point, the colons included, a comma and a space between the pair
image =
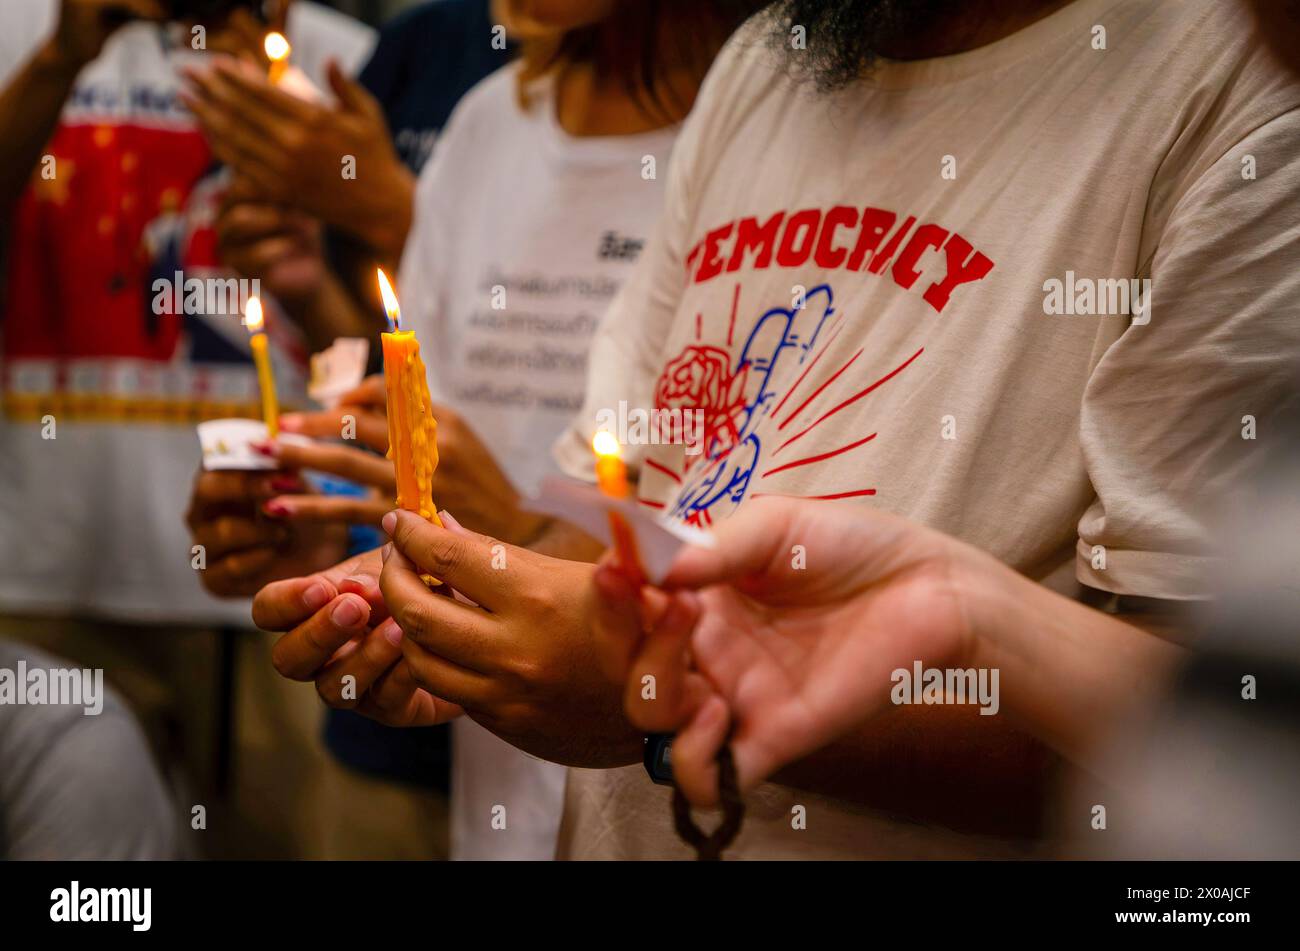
x: 843, y: 237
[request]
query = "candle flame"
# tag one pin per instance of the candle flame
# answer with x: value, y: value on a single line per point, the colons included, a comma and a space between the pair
x: 253, y: 315
x: 605, y: 444
x: 276, y: 46
x: 390, y: 300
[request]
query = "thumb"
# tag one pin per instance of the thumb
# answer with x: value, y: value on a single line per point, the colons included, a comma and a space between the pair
x: 352, y: 96
x: 745, y: 547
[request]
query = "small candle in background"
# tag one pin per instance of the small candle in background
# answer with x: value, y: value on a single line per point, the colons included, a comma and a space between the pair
x: 611, y: 473
x: 253, y: 320
x: 277, y: 50
x: 611, y: 478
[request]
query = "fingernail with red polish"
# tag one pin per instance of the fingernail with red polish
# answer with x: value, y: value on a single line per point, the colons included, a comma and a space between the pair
x: 265, y: 448
x: 286, y: 484
x: 275, y: 509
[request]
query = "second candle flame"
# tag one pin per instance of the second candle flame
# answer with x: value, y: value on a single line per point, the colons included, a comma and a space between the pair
x: 253, y: 315
x: 605, y: 443
x: 276, y: 46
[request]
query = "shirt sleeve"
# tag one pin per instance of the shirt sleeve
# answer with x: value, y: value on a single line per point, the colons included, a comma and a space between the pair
x: 1175, y: 417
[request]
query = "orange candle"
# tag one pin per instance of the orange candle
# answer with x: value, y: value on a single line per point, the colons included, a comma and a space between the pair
x: 611, y: 477
x: 412, y: 430
x: 277, y: 51
x: 262, y: 360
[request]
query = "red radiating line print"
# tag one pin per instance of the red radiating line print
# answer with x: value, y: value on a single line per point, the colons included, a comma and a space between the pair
x: 735, y: 302
x: 852, y: 399
x: 833, y: 495
x: 653, y: 505
x: 817, y: 392
x: 664, y: 469
x: 811, y: 459
x: 790, y: 392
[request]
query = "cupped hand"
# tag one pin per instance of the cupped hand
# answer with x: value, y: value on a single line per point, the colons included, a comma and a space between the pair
x: 335, y: 162
x: 242, y: 549
x: 338, y: 635
x: 468, y: 480
x: 784, y: 636
x: 277, y: 245
x: 515, y: 649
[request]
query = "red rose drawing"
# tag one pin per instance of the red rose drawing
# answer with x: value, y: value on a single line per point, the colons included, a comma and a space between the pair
x: 701, y: 378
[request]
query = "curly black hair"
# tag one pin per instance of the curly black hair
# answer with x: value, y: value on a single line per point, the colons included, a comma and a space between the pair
x: 840, y: 40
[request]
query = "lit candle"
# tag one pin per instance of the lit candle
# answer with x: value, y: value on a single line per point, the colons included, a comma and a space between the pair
x: 611, y: 477
x: 277, y: 51
x: 262, y: 360
x: 412, y: 430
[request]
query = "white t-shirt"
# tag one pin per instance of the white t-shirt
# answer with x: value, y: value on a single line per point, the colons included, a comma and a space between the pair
x: 943, y: 224
x: 91, y: 521
x: 514, y: 212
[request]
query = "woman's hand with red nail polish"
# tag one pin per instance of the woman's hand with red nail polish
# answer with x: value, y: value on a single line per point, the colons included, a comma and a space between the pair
x: 246, y: 538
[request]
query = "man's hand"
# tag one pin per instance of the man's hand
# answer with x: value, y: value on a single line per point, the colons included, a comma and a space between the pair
x: 293, y: 152
x: 467, y: 481
x: 245, y: 549
x: 340, y: 637
x: 788, y: 656
x: 519, y: 655
x: 365, y: 407
x: 85, y: 26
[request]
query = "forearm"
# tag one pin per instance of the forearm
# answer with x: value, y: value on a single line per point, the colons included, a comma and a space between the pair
x: 944, y: 765
x: 1070, y: 675
x: 387, y: 215
x: 29, y: 112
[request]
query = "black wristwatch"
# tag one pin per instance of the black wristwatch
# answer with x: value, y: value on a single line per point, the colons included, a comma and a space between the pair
x: 659, y: 758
